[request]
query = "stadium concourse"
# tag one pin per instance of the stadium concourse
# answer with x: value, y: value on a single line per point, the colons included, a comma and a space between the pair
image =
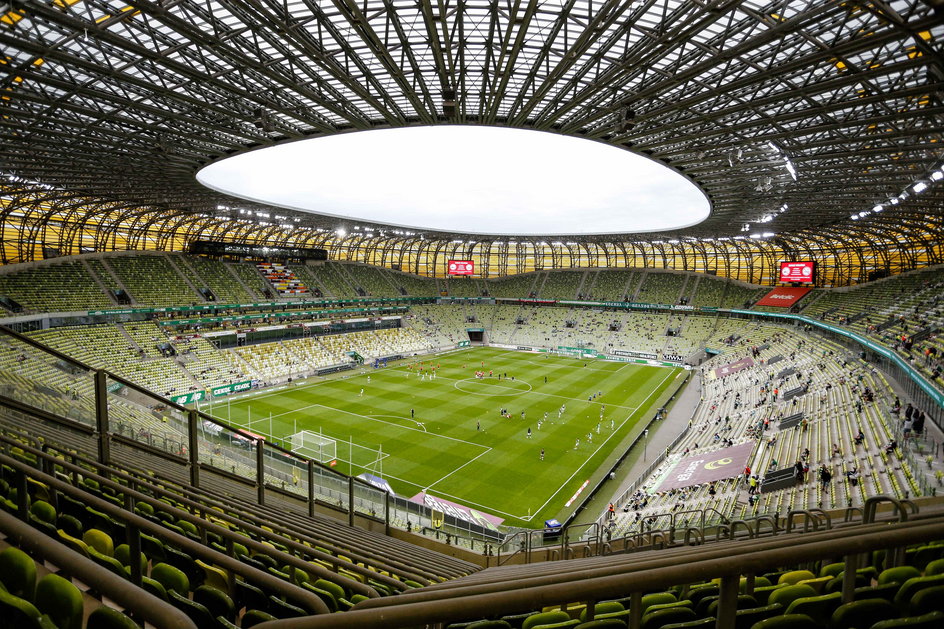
x: 822, y: 430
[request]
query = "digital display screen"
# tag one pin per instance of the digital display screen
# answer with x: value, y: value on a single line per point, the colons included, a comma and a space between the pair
x: 801, y: 272
x: 461, y: 267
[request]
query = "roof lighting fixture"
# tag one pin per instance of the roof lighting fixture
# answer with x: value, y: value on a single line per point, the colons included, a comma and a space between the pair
x: 919, y: 187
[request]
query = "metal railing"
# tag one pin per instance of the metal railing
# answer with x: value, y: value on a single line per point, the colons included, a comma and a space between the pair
x: 588, y: 583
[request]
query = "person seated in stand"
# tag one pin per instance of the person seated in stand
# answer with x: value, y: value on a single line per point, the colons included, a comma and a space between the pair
x: 892, y: 445
x: 859, y: 438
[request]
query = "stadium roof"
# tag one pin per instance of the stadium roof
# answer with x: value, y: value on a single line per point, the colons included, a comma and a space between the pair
x: 796, y: 118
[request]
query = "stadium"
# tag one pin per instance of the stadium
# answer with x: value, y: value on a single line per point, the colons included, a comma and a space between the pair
x: 471, y: 314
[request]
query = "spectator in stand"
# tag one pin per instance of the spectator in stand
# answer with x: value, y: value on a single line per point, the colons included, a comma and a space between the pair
x: 859, y: 437
x: 825, y: 476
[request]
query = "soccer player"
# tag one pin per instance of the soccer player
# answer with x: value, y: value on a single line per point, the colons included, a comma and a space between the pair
x: 542, y: 454
x: 478, y: 425
x: 577, y: 445
x: 361, y: 394
x: 368, y: 379
x: 589, y: 437
x: 529, y: 432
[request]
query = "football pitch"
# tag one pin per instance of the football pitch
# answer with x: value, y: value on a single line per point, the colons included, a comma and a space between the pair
x: 446, y: 435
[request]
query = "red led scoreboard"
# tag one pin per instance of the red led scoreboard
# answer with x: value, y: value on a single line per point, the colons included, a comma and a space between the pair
x: 797, y: 272
x: 461, y: 267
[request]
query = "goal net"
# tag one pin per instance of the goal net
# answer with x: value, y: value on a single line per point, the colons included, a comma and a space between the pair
x: 314, y: 446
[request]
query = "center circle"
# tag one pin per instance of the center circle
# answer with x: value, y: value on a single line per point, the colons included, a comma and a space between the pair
x: 503, y: 389
x: 466, y: 179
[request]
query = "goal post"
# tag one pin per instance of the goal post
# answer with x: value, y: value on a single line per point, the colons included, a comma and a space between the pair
x: 314, y: 446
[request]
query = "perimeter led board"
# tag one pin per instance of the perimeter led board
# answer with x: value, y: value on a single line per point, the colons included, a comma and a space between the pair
x: 798, y: 272
x: 466, y: 179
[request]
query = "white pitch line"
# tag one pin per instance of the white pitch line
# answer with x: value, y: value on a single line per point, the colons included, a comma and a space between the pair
x: 457, y: 469
x: 564, y: 397
x: 471, y: 443
x: 587, y: 460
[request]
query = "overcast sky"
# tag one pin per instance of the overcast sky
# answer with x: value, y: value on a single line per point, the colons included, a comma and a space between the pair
x: 484, y: 180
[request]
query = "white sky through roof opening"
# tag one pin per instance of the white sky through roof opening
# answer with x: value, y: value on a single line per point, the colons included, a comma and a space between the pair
x: 467, y: 179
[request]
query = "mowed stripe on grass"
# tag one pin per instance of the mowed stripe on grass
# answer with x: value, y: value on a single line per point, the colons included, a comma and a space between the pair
x: 495, y: 467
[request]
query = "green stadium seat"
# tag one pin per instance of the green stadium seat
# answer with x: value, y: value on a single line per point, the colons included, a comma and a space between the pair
x: 217, y: 602
x: 700, y: 623
x: 932, y: 620
x: 18, y: 573
x: 255, y: 616
x: 787, y: 621
x: 746, y: 618
x: 795, y: 576
x: 283, y: 609
x: 602, y: 609
x: 886, y: 592
x: 744, y: 601
x: 789, y: 593
x: 912, y: 586
x: 195, y: 611
x: 105, y: 617
x: 927, y: 600
x: 819, y: 608
x: 603, y: 623
x: 898, y: 574
x: 660, y: 617
x: 934, y: 567
x: 862, y: 613
x: 172, y: 578
x: 544, y: 618
x: 59, y: 599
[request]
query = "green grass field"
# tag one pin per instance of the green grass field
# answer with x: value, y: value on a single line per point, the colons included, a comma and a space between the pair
x: 495, y: 468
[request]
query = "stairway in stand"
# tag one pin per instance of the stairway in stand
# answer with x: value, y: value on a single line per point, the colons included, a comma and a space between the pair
x: 282, y: 278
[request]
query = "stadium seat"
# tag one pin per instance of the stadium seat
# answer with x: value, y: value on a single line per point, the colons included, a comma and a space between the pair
x: 935, y: 567
x: 789, y: 593
x: 105, y: 617
x: 255, y: 616
x: 660, y: 617
x: 898, y: 574
x: 744, y: 601
x: 795, y: 576
x: 819, y: 608
x: 700, y: 623
x: 912, y: 586
x: 927, y: 600
x: 604, y: 609
x: 217, y: 602
x: 194, y: 610
x: 544, y: 618
x: 171, y: 578
x: 886, y: 592
x: 603, y: 623
x: 832, y: 570
x: 59, y: 599
x: 862, y: 613
x: 564, y: 624
x: 933, y: 620
x: 746, y: 618
x: 787, y: 621
x: 18, y: 573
